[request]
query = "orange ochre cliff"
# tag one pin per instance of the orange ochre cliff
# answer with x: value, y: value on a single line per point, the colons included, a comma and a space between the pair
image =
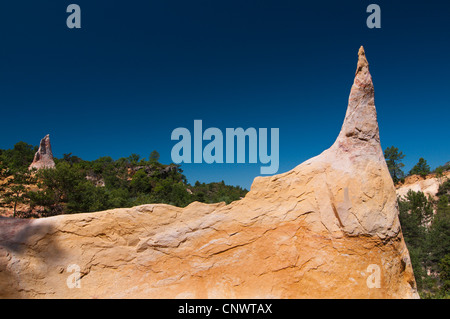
x: 328, y: 228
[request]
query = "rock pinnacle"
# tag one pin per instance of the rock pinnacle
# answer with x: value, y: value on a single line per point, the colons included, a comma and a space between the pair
x: 360, y: 128
x: 44, y: 156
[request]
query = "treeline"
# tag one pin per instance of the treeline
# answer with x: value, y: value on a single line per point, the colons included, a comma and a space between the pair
x: 76, y: 185
x: 394, y: 159
x: 426, y: 228
x: 425, y: 225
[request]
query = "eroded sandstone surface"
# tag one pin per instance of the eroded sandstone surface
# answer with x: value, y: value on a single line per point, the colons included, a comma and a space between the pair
x: 328, y: 228
x: 428, y: 185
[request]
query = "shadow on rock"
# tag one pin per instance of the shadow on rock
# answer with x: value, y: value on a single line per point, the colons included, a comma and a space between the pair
x: 27, y: 252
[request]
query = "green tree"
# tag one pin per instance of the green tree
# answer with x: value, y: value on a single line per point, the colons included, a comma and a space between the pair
x: 140, y: 182
x: 444, y: 274
x: 394, y: 163
x: 216, y: 192
x: 440, y: 174
x: 444, y: 189
x: 71, y: 159
x: 415, y: 213
x: 86, y: 197
x: 20, y: 157
x: 154, y: 157
x: 56, y: 185
x: 421, y: 168
x: 133, y: 159
x: 102, y: 164
x: 119, y: 197
x: 16, y: 190
x: 439, y: 233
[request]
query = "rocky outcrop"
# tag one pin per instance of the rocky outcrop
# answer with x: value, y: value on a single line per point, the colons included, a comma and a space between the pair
x: 428, y: 185
x: 328, y: 228
x: 44, y: 156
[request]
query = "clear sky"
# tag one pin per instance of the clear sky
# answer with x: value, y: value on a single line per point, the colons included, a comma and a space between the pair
x: 136, y: 70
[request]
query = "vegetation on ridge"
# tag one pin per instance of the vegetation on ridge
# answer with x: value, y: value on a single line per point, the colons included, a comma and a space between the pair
x: 76, y: 185
x: 426, y: 229
x: 425, y: 225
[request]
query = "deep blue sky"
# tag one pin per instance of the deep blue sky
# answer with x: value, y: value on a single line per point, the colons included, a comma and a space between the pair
x: 137, y: 70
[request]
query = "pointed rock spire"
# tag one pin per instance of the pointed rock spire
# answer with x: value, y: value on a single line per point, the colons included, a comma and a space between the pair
x: 44, y: 156
x: 363, y: 64
x: 312, y: 232
x: 363, y: 198
x: 360, y: 128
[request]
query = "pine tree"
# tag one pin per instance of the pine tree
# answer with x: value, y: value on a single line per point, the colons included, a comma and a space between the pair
x: 15, y: 190
x: 421, y: 168
x: 394, y: 162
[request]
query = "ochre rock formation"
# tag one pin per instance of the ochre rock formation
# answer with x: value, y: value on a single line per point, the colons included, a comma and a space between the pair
x: 44, y: 156
x: 329, y: 228
x: 428, y: 185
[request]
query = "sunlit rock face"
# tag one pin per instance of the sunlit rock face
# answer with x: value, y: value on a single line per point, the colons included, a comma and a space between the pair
x: 44, y: 156
x: 328, y: 228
